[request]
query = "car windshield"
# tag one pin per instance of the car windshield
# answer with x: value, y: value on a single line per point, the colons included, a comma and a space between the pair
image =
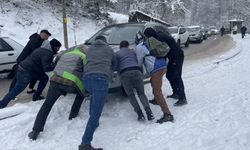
x: 193, y: 29
x: 116, y: 34
x: 173, y: 30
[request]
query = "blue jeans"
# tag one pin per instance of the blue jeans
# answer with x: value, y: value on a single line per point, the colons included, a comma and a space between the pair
x: 97, y: 86
x: 22, y: 80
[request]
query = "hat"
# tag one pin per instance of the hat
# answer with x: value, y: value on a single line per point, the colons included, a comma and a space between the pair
x: 55, y: 43
x: 46, y: 32
x: 150, y: 32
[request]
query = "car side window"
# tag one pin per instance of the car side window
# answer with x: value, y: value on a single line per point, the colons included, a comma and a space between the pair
x: 5, y: 46
x: 181, y: 31
x: 184, y: 30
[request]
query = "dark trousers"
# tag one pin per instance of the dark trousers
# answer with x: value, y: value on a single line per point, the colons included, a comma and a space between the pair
x: 43, y: 78
x: 32, y: 83
x: 54, y: 92
x: 243, y: 34
x: 173, y: 75
x: 22, y: 80
x: 133, y: 79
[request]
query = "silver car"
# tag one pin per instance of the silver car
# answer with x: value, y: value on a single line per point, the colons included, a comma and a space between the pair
x: 126, y: 31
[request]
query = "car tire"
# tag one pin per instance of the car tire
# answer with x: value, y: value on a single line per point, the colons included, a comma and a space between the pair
x: 123, y: 93
x: 179, y: 42
x: 13, y: 72
x: 187, y: 43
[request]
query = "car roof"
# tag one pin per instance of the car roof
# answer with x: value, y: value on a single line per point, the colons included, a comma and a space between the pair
x: 136, y: 23
x: 193, y: 26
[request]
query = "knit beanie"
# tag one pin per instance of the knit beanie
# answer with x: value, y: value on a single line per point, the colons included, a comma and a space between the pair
x: 55, y: 43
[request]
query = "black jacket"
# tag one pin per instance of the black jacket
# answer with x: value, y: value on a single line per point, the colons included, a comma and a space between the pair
x: 34, y: 42
x: 40, y: 61
x: 243, y: 29
x: 175, y: 50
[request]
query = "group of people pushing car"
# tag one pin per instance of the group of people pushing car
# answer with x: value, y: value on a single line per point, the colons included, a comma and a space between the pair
x: 88, y: 72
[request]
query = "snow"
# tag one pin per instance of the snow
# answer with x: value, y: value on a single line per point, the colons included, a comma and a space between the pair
x: 19, y: 24
x: 119, y: 18
x: 216, y: 118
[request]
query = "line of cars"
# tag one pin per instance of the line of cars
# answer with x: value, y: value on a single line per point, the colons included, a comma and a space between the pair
x: 185, y: 35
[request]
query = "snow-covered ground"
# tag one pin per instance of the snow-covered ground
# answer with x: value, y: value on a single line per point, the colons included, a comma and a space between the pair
x: 216, y: 118
x: 31, y: 17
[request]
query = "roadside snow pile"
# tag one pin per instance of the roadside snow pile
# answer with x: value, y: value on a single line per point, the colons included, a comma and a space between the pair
x: 216, y: 118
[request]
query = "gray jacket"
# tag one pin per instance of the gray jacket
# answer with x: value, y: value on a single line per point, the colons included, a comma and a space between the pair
x: 100, y: 59
x: 126, y: 58
x: 69, y: 68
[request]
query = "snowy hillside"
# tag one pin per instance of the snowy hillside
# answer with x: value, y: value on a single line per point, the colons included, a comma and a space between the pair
x: 216, y: 117
x: 32, y: 16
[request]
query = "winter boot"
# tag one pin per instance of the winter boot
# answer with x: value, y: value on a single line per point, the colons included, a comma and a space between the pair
x: 153, y: 101
x: 88, y: 147
x: 149, y: 113
x: 37, y: 98
x: 181, y: 102
x: 174, y: 96
x: 33, y: 135
x: 166, y: 117
x: 140, y: 116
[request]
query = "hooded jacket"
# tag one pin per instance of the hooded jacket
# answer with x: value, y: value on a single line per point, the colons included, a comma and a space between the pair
x: 175, y: 50
x: 41, y: 60
x: 100, y: 59
x: 34, y: 42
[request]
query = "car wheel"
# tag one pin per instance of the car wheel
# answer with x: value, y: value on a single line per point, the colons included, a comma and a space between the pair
x: 179, y: 42
x: 187, y: 43
x: 13, y: 72
x: 123, y: 93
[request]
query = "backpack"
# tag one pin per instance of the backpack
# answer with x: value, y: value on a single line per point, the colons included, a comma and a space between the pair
x: 157, y: 48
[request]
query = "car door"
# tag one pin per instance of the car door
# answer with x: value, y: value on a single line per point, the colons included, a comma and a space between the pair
x: 7, y: 56
x: 182, y: 35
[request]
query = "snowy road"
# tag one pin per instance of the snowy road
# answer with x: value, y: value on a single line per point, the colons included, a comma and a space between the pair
x: 216, y: 118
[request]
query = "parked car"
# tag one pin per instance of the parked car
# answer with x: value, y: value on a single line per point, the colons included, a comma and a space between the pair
x: 213, y: 30
x: 9, y: 51
x: 195, y: 34
x: 180, y: 35
x: 126, y: 31
x: 205, y: 33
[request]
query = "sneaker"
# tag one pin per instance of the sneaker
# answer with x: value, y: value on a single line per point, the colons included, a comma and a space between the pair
x: 88, y: 147
x: 30, y: 91
x: 15, y: 99
x: 166, y: 117
x: 153, y: 101
x: 37, y: 98
x: 140, y: 116
x: 174, y: 96
x: 181, y: 102
x: 33, y: 135
x: 149, y: 113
